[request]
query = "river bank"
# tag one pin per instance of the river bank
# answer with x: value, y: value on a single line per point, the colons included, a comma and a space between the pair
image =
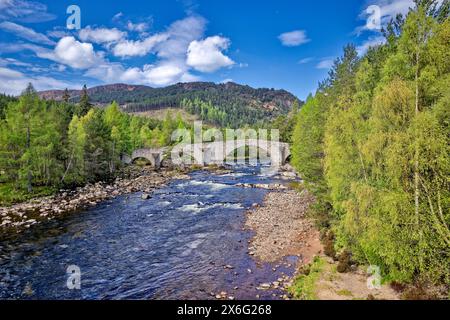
x: 18, y: 217
x: 186, y: 241
x: 282, y: 229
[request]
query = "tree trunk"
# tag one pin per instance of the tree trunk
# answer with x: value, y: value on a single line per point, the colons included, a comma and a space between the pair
x: 68, y: 167
x: 111, y: 165
x: 29, y: 175
x: 416, y: 155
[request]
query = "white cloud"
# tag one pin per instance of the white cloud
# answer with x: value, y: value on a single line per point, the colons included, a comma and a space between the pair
x: 177, y: 50
x: 117, y: 16
x: 138, y: 27
x: 6, y: 73
x: 294, y: 38
x: 24, y: 11
x: 25, y: 33
x: 58, y: 33
x: 101, y: 35
x: 181, y: 34
x: 140, y: 48
x: 388, y: 10
x: 206, y: 55
x: 82, y: 56
x: 325, y: 64
x: 14, y: 82
x: 305, y: 60
x: 226, y: 81
x: 71, y: 52
x: 76, y: 54
x: 171, y: 49
x: 371, y: 42
x: 60, y: 67
x: 172, y: 43
x: 163, y: 74
x: 13, y: 62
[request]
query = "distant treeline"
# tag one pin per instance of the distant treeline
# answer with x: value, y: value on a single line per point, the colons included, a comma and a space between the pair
x: 228, y: 105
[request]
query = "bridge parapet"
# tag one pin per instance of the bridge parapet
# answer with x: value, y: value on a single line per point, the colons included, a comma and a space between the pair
x: 213, y: 152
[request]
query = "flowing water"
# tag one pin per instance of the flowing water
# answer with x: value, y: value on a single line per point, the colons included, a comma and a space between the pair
x: 172, y: 246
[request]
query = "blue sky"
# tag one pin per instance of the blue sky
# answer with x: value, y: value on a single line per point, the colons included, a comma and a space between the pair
x: 274, y: 44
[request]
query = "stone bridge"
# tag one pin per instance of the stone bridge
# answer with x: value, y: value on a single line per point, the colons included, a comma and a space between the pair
x: 154, y: 156
x: 215, y: 152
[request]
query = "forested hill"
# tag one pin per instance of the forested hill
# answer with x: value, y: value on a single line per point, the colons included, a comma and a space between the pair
x: 227, y: 104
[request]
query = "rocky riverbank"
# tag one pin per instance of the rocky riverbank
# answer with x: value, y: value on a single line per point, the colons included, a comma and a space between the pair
x: 282, y: 228
x: 19, y: 217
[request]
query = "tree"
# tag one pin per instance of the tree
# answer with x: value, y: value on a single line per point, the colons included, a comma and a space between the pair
x: 84, y: 106
x: 66, y: 96
x: 375, y: 139
x: 98, y: 145
x: 27, y: 105
x: 75, y: 172
x: 29, y: 141
x: 118, y: 124
x: 168, y: 126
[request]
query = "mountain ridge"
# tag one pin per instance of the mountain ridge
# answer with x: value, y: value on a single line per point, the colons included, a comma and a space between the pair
x: 57, y: 94
x: 225, y: 104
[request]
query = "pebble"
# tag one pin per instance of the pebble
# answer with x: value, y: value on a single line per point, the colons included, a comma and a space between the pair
x: 265, y: 286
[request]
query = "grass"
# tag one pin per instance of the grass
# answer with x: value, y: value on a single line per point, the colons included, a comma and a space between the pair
x: 10, y: 195
x: 345, y: 293
x: 297, y: 186
x: 304, y: 286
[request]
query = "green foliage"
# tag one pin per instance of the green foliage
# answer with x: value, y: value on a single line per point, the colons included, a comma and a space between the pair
x: 227, y: 105
x: 304, y: 286
x: 48, y: 145
x: 224, y: 115
x: 374, y: 144
x: 4, y: 100
x: 307, y: 149
x: 84, y: 105
x: 286, y: 123
x: 9, y: 194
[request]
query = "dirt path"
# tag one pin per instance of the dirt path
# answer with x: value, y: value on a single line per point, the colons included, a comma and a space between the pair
x: 332, y: 285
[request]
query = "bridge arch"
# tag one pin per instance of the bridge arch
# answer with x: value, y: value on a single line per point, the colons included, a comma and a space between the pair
x: 153, y: 155
x: 213, y: 152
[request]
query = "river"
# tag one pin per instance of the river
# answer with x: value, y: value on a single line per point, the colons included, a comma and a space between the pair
x: 175, y: 245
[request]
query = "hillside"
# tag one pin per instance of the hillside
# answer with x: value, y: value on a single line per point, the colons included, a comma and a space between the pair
x: 227, y: 104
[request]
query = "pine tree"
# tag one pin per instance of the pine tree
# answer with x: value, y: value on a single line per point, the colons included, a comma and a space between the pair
x: 66, y: 96
x: 27, y: 106
x: 84, y: 106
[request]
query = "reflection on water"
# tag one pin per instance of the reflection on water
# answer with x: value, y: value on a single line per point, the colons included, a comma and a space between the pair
x: 173, y: 246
